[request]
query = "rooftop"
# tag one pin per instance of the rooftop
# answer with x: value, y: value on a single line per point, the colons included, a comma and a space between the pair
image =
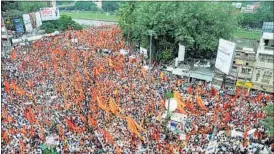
x: 268, y: 27
x: 268, y: 36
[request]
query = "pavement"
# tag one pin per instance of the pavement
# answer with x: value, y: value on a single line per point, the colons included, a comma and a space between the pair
x: 93, y: 22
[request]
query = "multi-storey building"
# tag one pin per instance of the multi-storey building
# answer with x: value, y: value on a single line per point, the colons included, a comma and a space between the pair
x: 262, y: 77
x: 242, y: 69
x: 244, y: 62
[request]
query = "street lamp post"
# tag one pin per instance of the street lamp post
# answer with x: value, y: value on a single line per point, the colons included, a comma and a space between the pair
x: 150, y: 46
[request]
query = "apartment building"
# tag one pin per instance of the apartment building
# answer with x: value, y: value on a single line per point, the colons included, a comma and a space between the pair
x: 242, y: 69
x: 262, y: 77
x: 244, y: 62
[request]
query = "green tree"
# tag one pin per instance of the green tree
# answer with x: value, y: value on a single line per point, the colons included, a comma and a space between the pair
x: 109, y: 6
x: 22, y: 6
x: 268, y: 122
x: 84, y: 6
x: 263, y: 14
x: 198, y: 26
x: 62, y: 24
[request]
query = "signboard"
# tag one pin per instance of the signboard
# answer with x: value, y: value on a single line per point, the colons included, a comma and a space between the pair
x: 38, y: 19
x: 49, y: 13
x: 181, y: 53
x: 144, y: 52
x: 244, y: 84
x: 27, y: 22
x: 225, y: 56
x: 33, y: 19
x: 19, y: 28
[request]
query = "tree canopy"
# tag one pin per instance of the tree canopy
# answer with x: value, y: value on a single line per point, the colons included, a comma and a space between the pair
x: 110, y: 6
x: 62, y: 24
x: 196, y: 25
x: 263, y: 14
x: 13, y: 9
x: 268, y: 122
x: 83, y: 6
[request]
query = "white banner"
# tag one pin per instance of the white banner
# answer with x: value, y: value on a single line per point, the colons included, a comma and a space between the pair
x: 49, y: 13
x: 38, y: 19
x: 181, y: 53
x: 225, y: 56
x: 27, y: 22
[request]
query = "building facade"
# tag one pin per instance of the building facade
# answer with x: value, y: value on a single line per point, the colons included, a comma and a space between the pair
x: 242, y: 69
x: 262, y: 77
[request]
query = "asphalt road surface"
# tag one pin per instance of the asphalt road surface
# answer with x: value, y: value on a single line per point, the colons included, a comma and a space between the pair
x: 93, y: 22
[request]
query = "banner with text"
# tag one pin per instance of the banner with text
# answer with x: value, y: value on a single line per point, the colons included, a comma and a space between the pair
x: 225, y: 56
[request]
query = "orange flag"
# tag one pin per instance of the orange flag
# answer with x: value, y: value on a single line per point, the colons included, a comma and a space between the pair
x: 181, y: 105
x: 7, y: 86
x: 31, y: 132
x: 213, y: 91
x: 5, y: 136
x: 114, y: 107
x: 22, y: 146
x: 108, y: 137
x: 29, y: 115
x: 60, y: 130
x: 200, y: 103
x: 134, y: 127
x: 189, y: 90
x: 12, y: 56
x: 117, y: 150
x: 110, y: 63
x: 71, y: 125
x: 227, y: 117
x: 92, y: 122
x: 162, y: 75
x: 102, y: 105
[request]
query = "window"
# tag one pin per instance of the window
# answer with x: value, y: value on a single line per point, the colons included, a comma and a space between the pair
x: 246, y: 70
x: 266, y: 77
x: 258, y: 75
x: 246, y: 64
x: 266, y: 42
x: 233, y: 61
x: 270, y: 59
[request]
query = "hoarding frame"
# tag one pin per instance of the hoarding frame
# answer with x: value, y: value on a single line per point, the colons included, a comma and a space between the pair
x: 225, y: 56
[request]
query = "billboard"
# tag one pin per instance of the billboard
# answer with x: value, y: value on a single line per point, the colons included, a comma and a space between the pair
x: 49, y: 13
x: 38, y: 19
x: 33, y: 19
x: 244, y: 84
x: 225, y: 56
x: 27, y: 22
x: 19, y: 28
x: 181, y: 53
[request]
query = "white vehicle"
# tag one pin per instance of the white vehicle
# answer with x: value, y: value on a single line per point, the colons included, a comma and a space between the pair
x: 106, y: 51
x: 123, y: 52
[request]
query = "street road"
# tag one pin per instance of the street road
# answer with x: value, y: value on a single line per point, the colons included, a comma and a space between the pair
x: 93, y: 22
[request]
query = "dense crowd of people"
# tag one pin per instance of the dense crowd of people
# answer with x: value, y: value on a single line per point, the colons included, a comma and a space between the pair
x: 65, y: 87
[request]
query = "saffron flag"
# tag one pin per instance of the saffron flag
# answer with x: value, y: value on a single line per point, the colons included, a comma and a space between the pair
x: 108, y: 137
x: 213, y: 91
x: 12, y: 56
x: 227, y: 117
x: 114, y: 107
x: 101, y: 104
x: 134, y: 127
x: 71, y: 125
x: 181, y: 105
x: 162, y: 75
x: 29, y: 115
x: 92, y: 122
x: 200, y: 103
